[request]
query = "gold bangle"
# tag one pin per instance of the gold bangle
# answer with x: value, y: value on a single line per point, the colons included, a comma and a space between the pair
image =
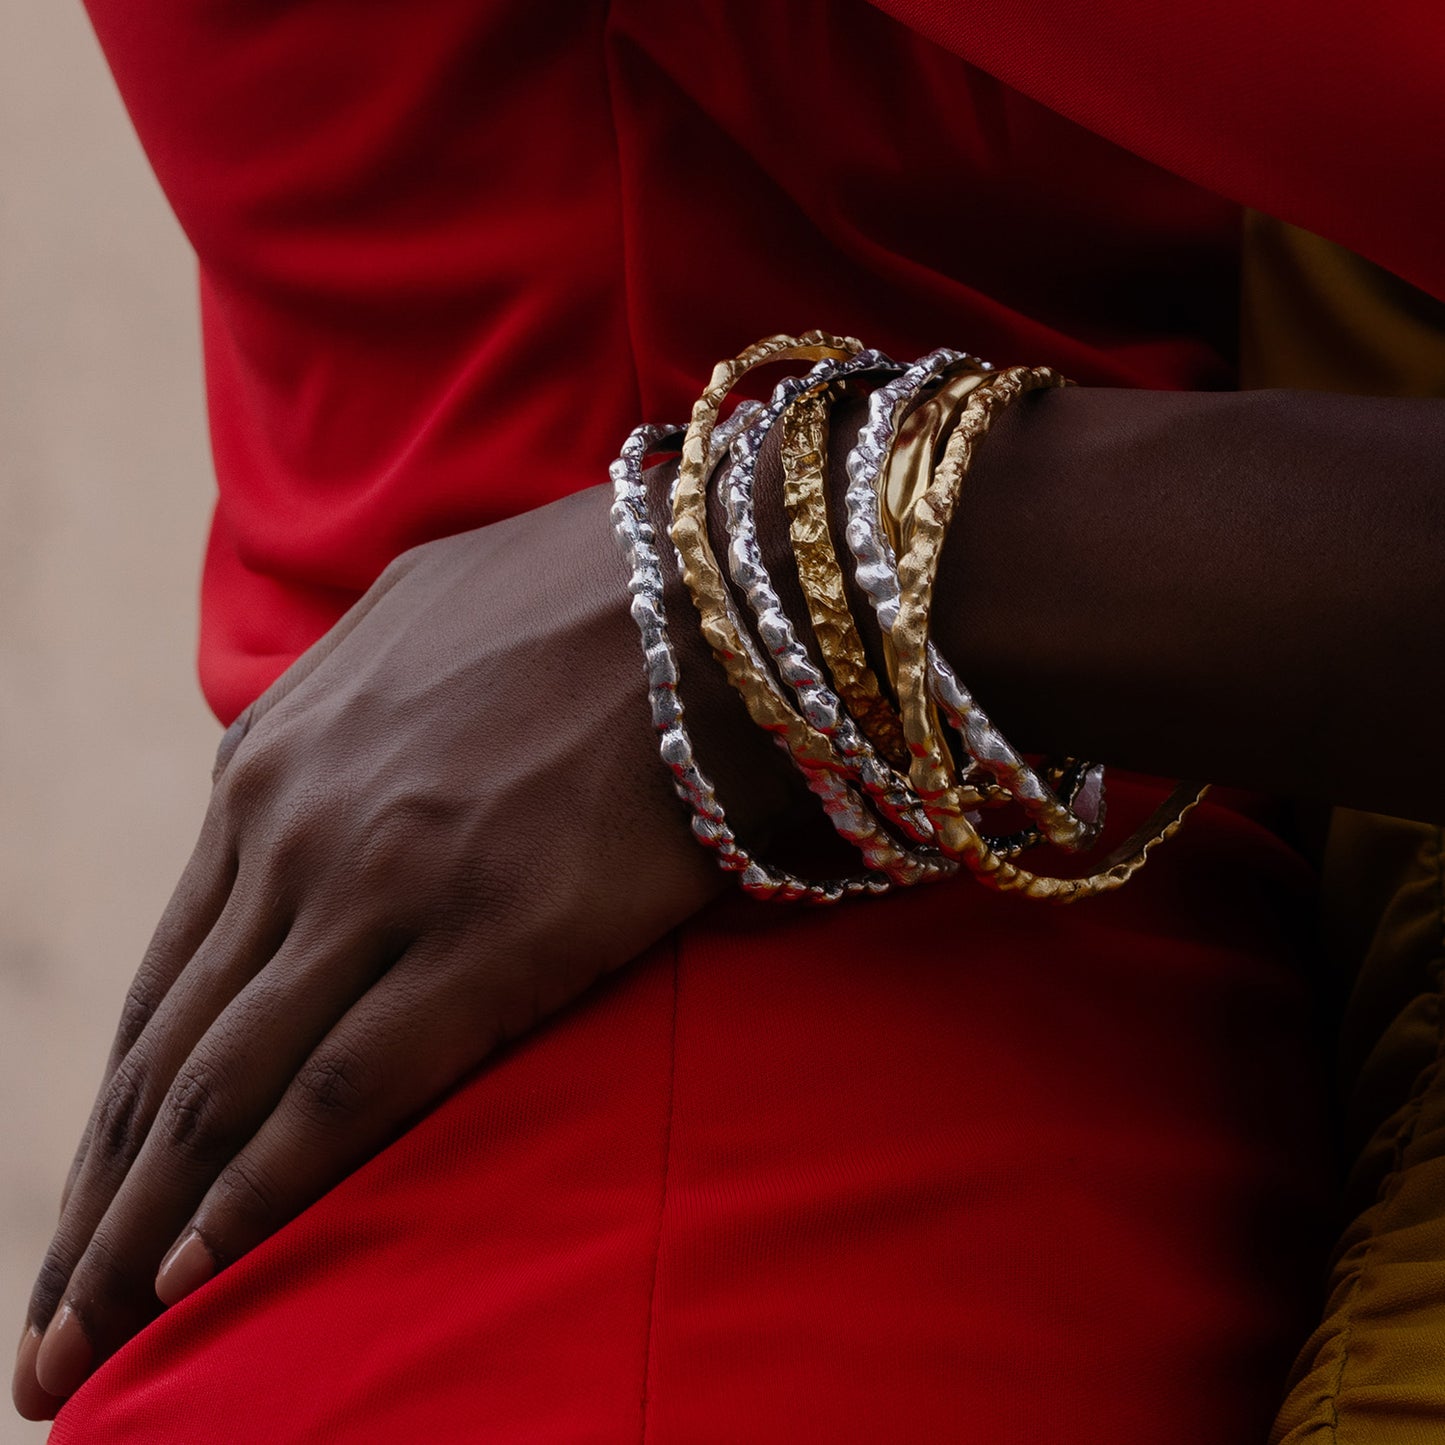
x: 931, y: 772
x: 904, y: 478
x: 804, y: 447
x: 912, y: 460
x: 916, y: 448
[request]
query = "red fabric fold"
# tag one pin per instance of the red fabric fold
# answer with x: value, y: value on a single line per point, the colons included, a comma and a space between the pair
x: 1325, y: 115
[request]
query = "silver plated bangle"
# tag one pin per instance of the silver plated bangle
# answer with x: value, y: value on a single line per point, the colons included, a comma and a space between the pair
x: 637, y: 537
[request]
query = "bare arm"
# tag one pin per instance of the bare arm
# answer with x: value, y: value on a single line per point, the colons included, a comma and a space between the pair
x: 1240, y: 587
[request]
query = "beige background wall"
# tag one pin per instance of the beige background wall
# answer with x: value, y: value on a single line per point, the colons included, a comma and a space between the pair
x: 105, y: 483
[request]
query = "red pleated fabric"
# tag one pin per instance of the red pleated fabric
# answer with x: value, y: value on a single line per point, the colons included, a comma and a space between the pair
x: 943, y: 1167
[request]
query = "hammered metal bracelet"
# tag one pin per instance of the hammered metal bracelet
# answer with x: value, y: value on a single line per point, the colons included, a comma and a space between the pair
x: 804, y: 449
x: 931, y: 770
x: 1071, y: 821
x: 912, y: 459
x: 722, y: 628
x: 921, y: 435
x: 632, y: 524
x: 889, y: 792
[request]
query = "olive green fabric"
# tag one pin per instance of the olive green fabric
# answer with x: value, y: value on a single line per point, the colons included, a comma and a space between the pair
x: 1373, y: 1373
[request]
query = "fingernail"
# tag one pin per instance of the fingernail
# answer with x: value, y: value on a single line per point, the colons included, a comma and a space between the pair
x: 188, y: 1266
x: 30, y: 1400
x: 63, y: 1360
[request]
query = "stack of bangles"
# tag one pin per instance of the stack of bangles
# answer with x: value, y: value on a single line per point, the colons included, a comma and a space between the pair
x: 906, y: 768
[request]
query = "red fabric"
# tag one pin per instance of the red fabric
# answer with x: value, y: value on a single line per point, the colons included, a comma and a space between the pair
x: 1313, y: 111
x: 942, y: 1168
x: 448, y: 259
x: 1042, y: 1176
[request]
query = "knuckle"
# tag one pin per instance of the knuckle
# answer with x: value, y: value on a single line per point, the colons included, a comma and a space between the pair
x: 193, y: 1118
x: 402, y: 829
x: 286, y: 847
x: 333, y: 1086
x: 50, y: 1286
x: 395, y: 570
x: 293, y: 838
x: 106, y: 1271
x: 251, y: 774
x: 497, y: 905
x: 120, y: 1120
x: 407, y: 562
x: 141, y: 1001
x: 487, y: 892
x: 231, y: 740
x: 242, y: 1190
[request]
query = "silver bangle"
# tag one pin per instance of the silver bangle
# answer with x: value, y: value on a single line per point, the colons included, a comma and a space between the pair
x: 633, y: 527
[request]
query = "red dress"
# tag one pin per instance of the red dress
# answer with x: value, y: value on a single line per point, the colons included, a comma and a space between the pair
x: 1040, y: 1177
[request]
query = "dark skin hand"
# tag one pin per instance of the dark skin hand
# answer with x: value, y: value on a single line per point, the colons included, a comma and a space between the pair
x: 409, y: 838
x: 448, y: 818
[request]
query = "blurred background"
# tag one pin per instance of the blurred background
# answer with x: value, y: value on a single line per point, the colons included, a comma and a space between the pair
x: 105, y: 487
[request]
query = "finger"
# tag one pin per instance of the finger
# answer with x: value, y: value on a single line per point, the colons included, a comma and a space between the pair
x: 191, y: 914
x: 193, y: 911
x: 230, y: 1081
x: 31, y: 1402
x: 395, y: 1052
x: 243, y: 939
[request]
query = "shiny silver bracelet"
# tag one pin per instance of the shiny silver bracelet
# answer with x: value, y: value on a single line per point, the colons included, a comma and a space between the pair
x: 633, y: 527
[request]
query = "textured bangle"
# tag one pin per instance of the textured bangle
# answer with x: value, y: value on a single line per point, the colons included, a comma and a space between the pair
x: 721, y: 627
x: 1072, y: 821
x: 889, y: 793
x: 918, y: 444
x: 931, y: 771
x: 912, y: 460
x: 804, y: 447
x: 633, y: 526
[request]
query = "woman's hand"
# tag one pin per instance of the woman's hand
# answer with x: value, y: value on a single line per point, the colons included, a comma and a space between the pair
x: 443, y: 823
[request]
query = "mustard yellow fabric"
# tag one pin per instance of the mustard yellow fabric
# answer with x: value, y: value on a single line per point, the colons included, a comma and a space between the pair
x: 1373, y: 1373
x: 1317, y: 316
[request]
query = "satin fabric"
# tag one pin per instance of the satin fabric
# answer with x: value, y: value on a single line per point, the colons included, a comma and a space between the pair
x: 943, y: 1168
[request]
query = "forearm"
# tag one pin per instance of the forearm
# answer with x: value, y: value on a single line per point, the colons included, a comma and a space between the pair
x: 1241, y: 587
